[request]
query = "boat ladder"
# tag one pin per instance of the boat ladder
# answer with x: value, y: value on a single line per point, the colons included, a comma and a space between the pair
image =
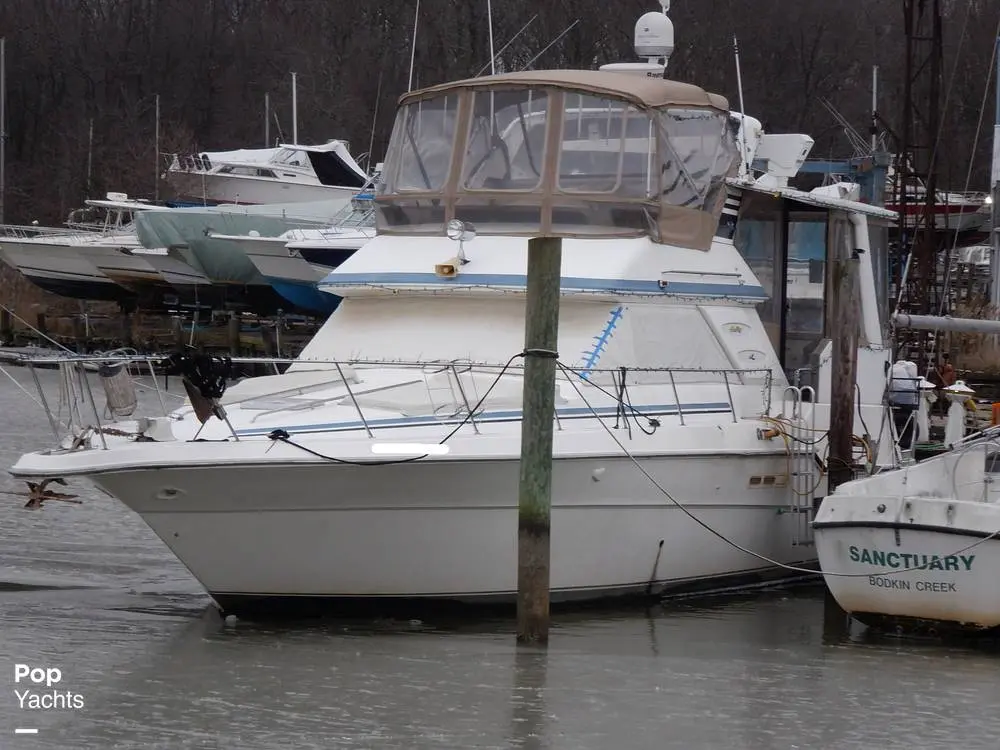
x: 804, y: 473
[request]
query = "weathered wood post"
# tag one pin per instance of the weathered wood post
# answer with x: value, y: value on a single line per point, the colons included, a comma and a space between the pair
x: 6, y: 326
x: 535, y: 487
x: 179, y: 332
x: 79, y: 336
x: 126, y: 328
x: 844, y: 326
x: 234, y: 334
x: 845, y: 306
x: 267, y: 341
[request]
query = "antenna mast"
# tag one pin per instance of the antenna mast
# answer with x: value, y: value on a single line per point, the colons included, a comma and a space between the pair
x: 744, y: 157
x: 3, y: 120
x: 874, y: 108
x: 413, y: 46
x: 493, y: 56
x: 156, y: 172
x: 295, y: 112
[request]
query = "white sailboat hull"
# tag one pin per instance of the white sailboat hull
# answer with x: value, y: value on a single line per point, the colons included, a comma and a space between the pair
x: 448, y: 530
x: 949, y: 583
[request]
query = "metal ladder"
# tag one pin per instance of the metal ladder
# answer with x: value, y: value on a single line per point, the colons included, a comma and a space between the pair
x: 804, y: 475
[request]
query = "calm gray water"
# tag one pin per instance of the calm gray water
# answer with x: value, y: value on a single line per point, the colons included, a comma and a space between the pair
x: 90, y: 591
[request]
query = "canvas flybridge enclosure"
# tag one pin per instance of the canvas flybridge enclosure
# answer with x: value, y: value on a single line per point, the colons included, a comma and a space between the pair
x: 570, y: 153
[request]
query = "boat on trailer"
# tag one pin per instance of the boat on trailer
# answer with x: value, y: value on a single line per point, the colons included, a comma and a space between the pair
x: 381, y: 468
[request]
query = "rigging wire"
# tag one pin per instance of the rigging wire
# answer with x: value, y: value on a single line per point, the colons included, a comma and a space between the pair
x: 972, y: 155
x: 937, y: 136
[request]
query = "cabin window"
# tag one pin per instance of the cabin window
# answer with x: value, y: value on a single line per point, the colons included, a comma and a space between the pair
x: 805, y: 287
x: 426, y: 133
x: 506, y: 144
x: 760, y: 239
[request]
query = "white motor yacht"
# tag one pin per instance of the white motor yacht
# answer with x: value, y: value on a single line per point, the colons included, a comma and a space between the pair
x: 292, y: 173
x: 383, y: 466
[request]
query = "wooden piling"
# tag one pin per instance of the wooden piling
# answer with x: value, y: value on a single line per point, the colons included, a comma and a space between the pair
x: 126, y: 323
x: 179, y: 332
x: 535, y: 486
x: 42, y: 324
x: 79, y: 335
x: 845, y: 305
x: 234, y: 334
x: 267, y: 341
x: 6, y: 326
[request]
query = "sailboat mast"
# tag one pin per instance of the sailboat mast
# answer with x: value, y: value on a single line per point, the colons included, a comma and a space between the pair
x: 995, y: 194
x: 3, y: 122
x: 156, y: 166
x: 413, y: 45
x: 295, y: 112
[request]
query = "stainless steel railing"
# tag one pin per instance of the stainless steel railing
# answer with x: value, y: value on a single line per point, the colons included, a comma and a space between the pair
x: 463, y: 399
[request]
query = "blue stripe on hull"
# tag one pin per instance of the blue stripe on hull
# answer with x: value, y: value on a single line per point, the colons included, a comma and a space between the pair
x: 569, y: 283
x: 511, y: 415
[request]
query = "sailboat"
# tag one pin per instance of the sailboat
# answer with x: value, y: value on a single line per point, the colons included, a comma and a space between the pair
x: 382, y: 467
x: 915, y: 550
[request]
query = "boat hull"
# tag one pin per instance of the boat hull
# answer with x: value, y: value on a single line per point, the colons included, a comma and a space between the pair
x: 949, y: 583
x: 62, y: 270
x: 305, y: 296
x: 446, y: 532
x: 206, y: 188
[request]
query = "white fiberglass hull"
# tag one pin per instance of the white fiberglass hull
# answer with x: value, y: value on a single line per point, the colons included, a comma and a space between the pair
x: 950, y: 565
x: 121, y: 266
x: 448, y: 530
x: 274, y: 261
x: 227, y: 188
x: 61, y: 269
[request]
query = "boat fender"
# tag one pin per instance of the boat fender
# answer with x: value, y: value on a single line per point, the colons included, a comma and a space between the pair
x: 119, y: 390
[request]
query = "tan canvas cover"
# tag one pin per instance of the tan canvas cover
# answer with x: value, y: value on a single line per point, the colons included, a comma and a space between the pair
x: 644, y: 92
x: 673, y: 224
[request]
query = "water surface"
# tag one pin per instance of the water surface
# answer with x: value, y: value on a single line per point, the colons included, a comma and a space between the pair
x: 90, y: 590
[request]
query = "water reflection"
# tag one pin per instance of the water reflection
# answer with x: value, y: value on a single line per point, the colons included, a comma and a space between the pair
x: 134, y: 634
x: 527, y: 699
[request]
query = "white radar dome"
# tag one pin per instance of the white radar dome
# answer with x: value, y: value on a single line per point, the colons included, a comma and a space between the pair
x: 654, y: 35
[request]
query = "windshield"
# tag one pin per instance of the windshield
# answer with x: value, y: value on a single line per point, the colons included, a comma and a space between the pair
x: 423, y: 137
x: 536, y: 159
x: 607, y: 147
x: 291, y: 157
x: 506, y: 148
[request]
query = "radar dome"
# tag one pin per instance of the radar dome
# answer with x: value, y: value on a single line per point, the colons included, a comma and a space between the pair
x: 654, y: 35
